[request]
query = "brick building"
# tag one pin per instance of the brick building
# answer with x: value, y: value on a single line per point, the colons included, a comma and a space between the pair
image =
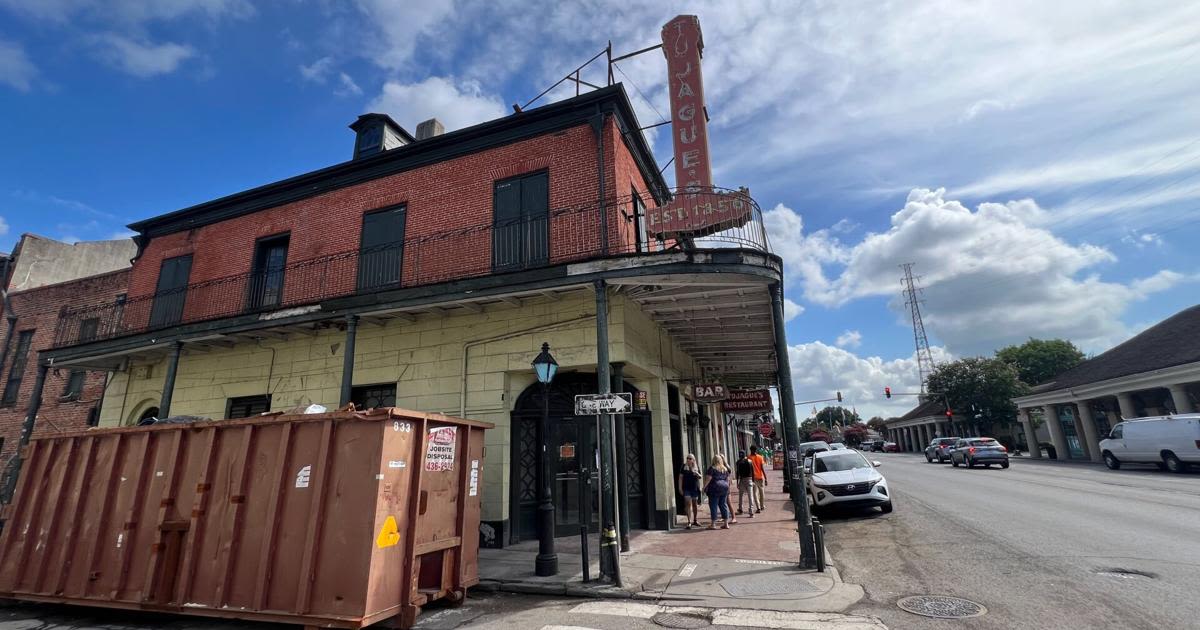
x: 426, y: 273
x: 41, y: 278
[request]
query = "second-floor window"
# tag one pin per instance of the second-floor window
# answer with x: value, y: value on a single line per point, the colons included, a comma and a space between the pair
x: 381, y: 248
x: 88, y: 328
x: 521, y: 222
x: 639, y: 223
x: 12, y: 386
x: 171, y: 292
x: 266, y: 280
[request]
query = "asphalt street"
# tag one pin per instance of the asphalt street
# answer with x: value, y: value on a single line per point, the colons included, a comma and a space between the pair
x: 1040, y: 545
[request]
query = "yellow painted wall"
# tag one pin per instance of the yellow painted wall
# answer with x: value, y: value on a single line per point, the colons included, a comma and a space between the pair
x: 425, y: 360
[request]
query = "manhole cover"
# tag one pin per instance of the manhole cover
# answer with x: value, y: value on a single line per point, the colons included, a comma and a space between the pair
x: 1126, y: 574
x: 769, y: 584
x: 681, y: 620
x: 941, y: 606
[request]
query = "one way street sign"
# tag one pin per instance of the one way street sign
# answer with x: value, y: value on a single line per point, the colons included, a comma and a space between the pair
x: 596, y: 404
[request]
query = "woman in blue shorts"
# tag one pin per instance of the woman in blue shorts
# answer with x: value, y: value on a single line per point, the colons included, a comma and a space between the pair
x: 689, y: 487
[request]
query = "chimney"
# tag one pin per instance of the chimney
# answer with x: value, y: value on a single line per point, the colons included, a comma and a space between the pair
x: 430, y: 128
x: 376, y: 133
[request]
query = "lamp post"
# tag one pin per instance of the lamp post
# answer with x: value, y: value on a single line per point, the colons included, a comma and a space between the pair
x: 546, y: 562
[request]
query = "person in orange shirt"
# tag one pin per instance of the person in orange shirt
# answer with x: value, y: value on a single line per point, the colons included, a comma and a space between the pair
x: 760, y: 477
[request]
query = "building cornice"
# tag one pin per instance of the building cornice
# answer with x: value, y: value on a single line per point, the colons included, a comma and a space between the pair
x: 1111, y: 387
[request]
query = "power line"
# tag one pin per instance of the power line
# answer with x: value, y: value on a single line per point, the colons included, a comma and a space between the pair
x: 641, y: 94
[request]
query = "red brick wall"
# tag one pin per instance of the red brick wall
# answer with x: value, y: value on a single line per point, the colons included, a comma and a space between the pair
x: 37, y: 310
x: 455, y: 195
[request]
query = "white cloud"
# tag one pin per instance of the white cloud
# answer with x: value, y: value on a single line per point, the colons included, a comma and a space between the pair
x: 456, y: 103
x: 401, y: 27
x: 849, y: 339
x: 133, y: 11
x: 16, y: 70
x: 791, y: 310
x: 1141, y: 240
x: 347, y: 86
x: 317, y: 71
x: 142, y: 59
x: 819, y: 370
x: 3, y: 226
x: 121, y: 234
x: 990, y: 276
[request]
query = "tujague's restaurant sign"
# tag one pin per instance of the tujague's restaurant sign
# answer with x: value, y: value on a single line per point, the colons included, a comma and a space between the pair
x: 747, y: 401
x: 698, y: 208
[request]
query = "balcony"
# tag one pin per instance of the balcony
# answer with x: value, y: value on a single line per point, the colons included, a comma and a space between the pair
x: 561, y: 236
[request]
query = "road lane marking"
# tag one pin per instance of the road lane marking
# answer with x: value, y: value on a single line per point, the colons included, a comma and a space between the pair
x: 687, y: 570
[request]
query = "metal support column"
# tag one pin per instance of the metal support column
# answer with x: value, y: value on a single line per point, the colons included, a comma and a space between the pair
x: 610, y: 559
x: 787, y: 402
x: 348, y: 360
x: 164, y: 403
x: 618, y: 386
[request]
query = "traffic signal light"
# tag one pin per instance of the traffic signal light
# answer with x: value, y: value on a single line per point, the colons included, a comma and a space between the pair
x: 839, y: 396
x: 949, y: 414
x: 887, y: 392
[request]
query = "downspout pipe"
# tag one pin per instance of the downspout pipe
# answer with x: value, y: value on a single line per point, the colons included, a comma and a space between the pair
x: 598, y: 127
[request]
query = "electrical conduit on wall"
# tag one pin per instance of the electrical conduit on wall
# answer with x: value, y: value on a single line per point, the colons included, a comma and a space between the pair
x: 462, y: 386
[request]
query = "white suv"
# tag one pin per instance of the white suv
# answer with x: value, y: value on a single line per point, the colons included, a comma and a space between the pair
x: 847, y: 478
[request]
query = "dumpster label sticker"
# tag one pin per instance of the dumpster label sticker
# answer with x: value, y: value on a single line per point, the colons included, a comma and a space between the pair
x: 389, y: 534
x: 439, y: 452
x: 474, y: 478
x: 396, y: 463
x: 406, y: 427
x: 302, y: 476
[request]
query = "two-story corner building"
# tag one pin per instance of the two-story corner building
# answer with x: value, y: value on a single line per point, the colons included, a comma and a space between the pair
x: 426, y: 273
x: 39, y: 279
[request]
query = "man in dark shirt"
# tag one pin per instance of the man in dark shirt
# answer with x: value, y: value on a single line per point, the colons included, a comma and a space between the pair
x: 745, y: 482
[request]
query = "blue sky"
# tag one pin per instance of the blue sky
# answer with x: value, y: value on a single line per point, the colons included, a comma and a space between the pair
x: 1040, y: 164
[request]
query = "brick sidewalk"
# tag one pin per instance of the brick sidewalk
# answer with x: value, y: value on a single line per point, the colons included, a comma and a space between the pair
x: 770, y: 535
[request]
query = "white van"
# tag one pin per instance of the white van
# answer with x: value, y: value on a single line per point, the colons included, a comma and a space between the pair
x: 1172, y: 442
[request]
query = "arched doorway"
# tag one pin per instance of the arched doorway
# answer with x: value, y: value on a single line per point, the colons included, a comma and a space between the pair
x: 573, y: 448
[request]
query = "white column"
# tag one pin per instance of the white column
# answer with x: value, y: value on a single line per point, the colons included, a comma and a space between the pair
x: 1091, y: 443
x: 1030, y: 434
x: 1057, y: 436
x: 1183, y: 404
x: 1125, y: 401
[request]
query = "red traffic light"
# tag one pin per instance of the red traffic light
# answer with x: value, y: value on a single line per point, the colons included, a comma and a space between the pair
x: 949, y: 414
x: 887, y: 392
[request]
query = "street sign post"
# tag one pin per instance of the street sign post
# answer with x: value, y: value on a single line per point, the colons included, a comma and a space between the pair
x: 597, y: 404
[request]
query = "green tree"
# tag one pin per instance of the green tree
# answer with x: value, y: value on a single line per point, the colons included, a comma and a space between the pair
x: 980, y: 390
x: 831, y: 416
x: 854, y: 434
x: 1040, y: 360
x: 877, y: 424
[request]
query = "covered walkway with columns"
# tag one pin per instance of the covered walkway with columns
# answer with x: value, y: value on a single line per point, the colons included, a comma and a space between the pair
x: 1155, y: 373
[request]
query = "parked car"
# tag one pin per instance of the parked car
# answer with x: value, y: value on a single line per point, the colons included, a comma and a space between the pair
x: 891, y: 447
x: 877, y: 446
x: 837, y: 446
x: 980, y: 450
x: 847, y: 478
x: 1171, y: 442
x: 939, y: 449
x: 808, y: 448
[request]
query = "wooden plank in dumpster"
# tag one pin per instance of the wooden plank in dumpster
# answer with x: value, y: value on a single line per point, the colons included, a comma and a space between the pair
x: 338, y: 520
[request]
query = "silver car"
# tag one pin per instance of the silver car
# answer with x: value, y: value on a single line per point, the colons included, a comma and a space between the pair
x: 984, y: 451
x: 939, y: 449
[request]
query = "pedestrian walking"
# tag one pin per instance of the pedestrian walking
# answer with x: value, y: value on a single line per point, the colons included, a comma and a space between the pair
x: 745, y: 482
x: 757, y: 462
x: 689, y: 487
x: 729, y: 495
x: 716, y: 486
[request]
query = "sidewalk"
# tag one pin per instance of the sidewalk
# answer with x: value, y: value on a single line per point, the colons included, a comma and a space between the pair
x: 751, y: 565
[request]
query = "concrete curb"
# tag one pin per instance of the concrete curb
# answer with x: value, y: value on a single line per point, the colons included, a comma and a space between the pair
x: 561, y: 590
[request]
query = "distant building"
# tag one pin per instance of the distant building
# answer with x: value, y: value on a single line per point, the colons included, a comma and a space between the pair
x: 1155, y: 373
x: 41, y: 278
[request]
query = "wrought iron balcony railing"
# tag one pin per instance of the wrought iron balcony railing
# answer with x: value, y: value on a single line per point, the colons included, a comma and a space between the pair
x: 559, y: 236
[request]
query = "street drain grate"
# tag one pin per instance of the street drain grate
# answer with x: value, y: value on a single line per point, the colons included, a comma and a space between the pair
x: 681, y: 620
x: 941, y: 606
x: 1125, y: 574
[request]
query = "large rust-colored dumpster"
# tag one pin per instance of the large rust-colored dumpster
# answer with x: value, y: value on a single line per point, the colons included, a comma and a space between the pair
x: 327, y: 520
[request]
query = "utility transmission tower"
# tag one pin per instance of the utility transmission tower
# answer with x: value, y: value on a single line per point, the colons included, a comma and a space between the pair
x: 913, y: 302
